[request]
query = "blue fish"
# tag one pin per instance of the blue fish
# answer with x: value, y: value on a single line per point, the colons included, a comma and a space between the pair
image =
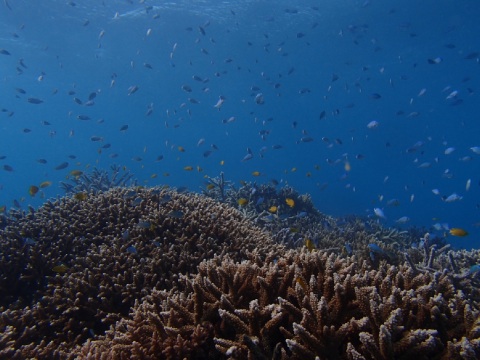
x: 259, y: 201
x: 29, y: 241
x: 474, y: 269
x: 376, y: 249
x: 132, y: 249
x: 348, y: 248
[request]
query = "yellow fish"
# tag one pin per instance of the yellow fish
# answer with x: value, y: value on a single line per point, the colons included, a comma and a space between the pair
x: 273, y: 209
x: 33, y: 190
x: 81, y: 196
x: 3, y: 208
x: 458, y: 232
x: 210, y: 186
x: 60, y: 269
x: 256, y: 173
x: 76, y: 173
x: 347, y: 166
x: 181, y: 149
x: 309, y: 244
x: 290, y: 202
x: 302, y: 283
x: 242, y: 201
x: 188, y: 168
x: 153, y: 176
x: 45, y: 184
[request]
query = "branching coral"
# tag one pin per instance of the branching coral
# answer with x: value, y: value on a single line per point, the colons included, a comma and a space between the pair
x: 77, y: 266
x: 152, y: 273
x: 300, y: 306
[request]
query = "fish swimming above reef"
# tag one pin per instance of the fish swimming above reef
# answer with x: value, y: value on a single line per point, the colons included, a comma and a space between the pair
x: 452, y: 198
x: 379, y: 213
x: 458, y: 232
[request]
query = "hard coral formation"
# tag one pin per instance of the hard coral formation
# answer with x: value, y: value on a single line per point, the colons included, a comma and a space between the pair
x: 99, y: 180
x: 74, y: 267
x: 299, y: 306
x: 153, y: 273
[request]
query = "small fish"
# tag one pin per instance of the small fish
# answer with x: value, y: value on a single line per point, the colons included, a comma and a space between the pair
x: 474, y: 269
x: 379, y: 213
x: 188, y: 168
x: 256, y: 173
x: 132, y: 249
x: 273, y: 209
x: 176, y: 214
x: 306, y: 139
x: 32, y: 100
x: 76, y: 173
x: 247, y: 157
x: 29, y: 241
x: 290, y: 202
x: 309, y: 244
x: 62, y: 166
x: 373, y: 124
x: 33, y: 190
x: 458, y: 232
x: 259, y: 99
x: 132, y: 89
x: 96, y: 138
x: 242, y: 202
x: 144, y: 225
x: 348, y: 249
x: 60, y: 269
x: 83, y: 117
x: 219, y: 103
x: 376, y: 249
x: 81, y: 196
x: 302, y: 283
x: 45, y: 184
x: 402, y: 220
x: 475, y: 149
x: 7, y: 168
x: 451, y: 198
x: 434, y: 61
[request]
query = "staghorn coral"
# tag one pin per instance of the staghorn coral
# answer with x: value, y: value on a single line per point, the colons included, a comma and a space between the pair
x: 99, y: 180
x: 299, y: 306
x: 153, y: 273
x: 74, y: 268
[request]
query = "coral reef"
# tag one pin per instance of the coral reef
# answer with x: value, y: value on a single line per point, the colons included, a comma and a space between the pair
x: 99, y: 180
x: 156, y: 273
x: 300, y: 306
x: 73, y: 268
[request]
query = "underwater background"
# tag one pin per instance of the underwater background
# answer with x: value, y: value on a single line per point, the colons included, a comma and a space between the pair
x: 362, y: 104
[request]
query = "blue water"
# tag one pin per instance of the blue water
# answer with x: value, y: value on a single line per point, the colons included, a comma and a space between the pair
x: 292, y: 51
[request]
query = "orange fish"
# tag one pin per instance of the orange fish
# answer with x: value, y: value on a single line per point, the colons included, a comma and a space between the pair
x: 458, y: 232
x: 33, y: 190
x: 290, y: 202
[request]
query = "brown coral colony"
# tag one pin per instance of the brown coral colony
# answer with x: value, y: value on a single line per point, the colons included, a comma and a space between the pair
x: 138, y: 273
